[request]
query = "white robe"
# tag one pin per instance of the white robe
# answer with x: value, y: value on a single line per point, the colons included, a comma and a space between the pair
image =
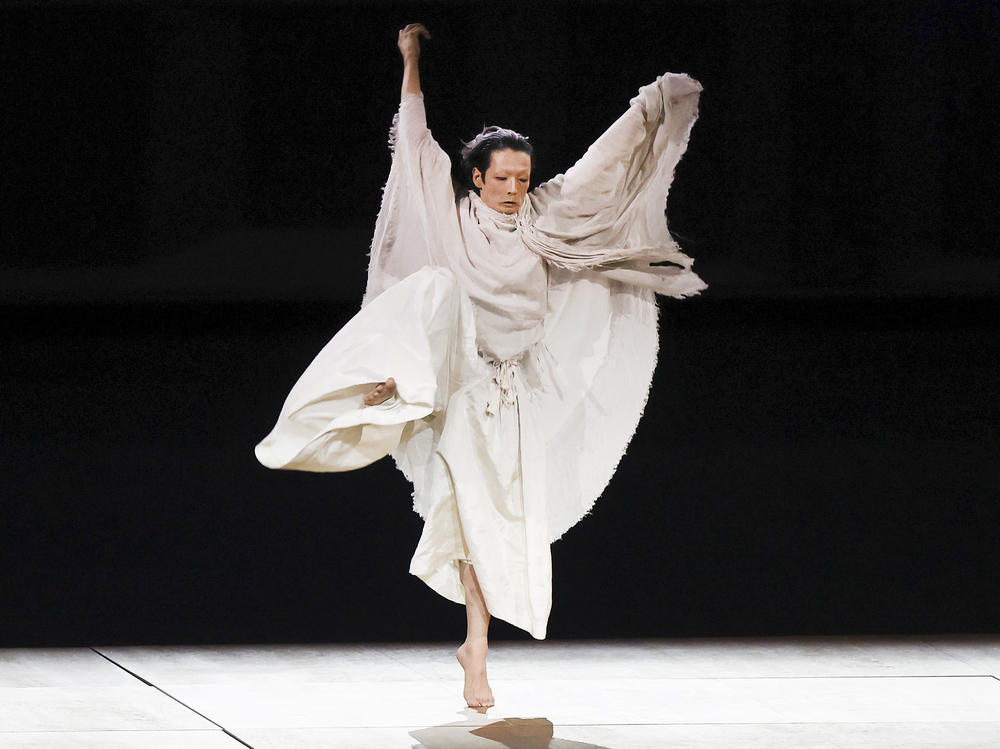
x: 522, y: 346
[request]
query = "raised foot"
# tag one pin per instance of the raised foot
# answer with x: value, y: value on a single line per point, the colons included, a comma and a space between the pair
x: 382, y: 392
x: 472, y: 656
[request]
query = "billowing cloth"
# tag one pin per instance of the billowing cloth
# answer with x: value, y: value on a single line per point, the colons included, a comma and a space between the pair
x: 522, y: 346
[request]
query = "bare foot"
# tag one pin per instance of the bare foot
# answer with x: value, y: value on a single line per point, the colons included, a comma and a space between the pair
x: 472, y: 656
x: 381, y: 393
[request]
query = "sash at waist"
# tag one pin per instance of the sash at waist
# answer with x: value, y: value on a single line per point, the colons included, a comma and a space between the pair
x: 514, y: 376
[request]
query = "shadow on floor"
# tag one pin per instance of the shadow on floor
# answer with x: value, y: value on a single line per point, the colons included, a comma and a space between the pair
x: 515, y: 733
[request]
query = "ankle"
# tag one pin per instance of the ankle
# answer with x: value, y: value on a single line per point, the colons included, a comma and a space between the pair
x: 474, y: 650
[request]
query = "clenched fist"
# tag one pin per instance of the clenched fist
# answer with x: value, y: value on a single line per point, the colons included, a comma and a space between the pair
x: 409, y: 40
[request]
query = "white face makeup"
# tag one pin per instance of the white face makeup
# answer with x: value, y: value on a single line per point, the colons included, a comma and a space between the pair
x: 505, y: 185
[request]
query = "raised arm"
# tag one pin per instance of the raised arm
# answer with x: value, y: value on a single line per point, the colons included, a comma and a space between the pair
x: 418, y: 201
x: 607, y: 211
x: 409, y: 48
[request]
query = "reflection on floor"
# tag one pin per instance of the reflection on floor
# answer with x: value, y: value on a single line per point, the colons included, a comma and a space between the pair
x: 914, y: 692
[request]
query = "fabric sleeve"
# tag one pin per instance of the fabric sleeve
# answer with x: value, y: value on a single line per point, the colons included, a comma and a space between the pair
x: 417, y: 196
x: 629, y: 155
x: 409, y: 130
x: 608, y: 211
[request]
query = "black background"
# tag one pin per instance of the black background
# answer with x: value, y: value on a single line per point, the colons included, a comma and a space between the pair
x: 188, y: 196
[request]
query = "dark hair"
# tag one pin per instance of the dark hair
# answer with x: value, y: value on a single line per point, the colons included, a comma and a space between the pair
x: 478, y: 152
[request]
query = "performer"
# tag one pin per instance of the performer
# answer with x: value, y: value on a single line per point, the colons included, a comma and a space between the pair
x: 505, y: 345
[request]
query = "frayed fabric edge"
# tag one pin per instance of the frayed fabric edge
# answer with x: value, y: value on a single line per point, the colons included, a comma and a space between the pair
x: 634, y: 426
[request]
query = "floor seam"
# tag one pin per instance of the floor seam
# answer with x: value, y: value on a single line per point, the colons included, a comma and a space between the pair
x: 106, y: 730
x: 175, y: 699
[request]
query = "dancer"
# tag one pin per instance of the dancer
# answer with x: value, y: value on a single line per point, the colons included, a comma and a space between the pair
x: 505, y: 345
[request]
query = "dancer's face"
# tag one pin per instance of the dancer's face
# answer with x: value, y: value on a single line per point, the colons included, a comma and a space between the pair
x: 505, y: 184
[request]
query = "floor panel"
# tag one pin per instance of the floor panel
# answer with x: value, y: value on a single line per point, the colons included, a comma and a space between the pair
x: 214, y: 739
x: 875, y: 692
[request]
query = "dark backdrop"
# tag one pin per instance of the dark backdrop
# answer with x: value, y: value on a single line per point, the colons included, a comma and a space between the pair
x: 188, y: 197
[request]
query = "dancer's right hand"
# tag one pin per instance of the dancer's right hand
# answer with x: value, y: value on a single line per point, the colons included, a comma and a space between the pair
x: 409, y: 39
x: 382, y: 393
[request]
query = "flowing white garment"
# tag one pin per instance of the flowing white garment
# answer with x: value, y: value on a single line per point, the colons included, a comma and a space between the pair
x: 522, y: 346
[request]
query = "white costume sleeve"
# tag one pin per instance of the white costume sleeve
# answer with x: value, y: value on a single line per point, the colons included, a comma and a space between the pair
x: 417, y: 198
x: 608, y: 210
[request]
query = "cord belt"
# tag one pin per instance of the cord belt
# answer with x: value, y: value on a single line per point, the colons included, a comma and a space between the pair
x: 503, y: 378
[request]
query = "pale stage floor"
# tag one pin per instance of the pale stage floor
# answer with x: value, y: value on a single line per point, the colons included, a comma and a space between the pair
x: 873, y: 692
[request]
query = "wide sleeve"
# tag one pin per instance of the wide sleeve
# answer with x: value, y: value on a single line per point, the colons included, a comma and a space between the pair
x: 418, y: 196
x: 608, y: 211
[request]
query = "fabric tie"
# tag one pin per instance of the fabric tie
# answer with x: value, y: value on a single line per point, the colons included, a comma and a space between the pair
x: 503, y: 378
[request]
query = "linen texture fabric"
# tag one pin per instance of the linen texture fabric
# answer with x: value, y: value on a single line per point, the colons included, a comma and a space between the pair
x: 522, y: 345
